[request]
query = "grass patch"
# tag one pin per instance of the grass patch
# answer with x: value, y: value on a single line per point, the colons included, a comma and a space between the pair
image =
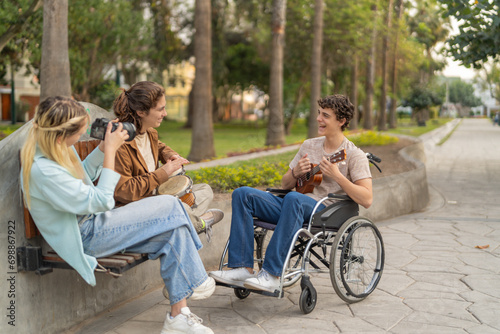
x: 6, y: 130
x: 410, y: 128
x: 445, y: 138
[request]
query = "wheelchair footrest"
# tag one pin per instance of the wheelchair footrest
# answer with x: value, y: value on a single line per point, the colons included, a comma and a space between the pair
x: 276, y: 293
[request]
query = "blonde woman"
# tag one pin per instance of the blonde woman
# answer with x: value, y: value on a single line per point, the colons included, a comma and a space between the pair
x: 78, y: 221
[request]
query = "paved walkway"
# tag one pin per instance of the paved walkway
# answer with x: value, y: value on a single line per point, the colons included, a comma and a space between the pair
x: 435, y: 279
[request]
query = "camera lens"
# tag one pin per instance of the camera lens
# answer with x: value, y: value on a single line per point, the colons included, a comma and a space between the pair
x: 130, y: 128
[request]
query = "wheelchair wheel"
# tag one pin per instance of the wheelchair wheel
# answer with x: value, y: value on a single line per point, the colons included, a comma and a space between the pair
x: 241, y: 293
x: 356, y: 259
x: 308, y: 298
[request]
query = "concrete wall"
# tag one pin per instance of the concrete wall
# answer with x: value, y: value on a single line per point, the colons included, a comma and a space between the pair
x: 400, y: 194
x: 61, y: 299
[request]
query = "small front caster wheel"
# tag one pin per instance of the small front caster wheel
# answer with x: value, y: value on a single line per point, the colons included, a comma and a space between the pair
x: 308, y: 298
x: 241, y: 293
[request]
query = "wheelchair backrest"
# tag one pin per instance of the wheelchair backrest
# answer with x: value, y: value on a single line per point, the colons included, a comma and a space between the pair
x: 333, y: 216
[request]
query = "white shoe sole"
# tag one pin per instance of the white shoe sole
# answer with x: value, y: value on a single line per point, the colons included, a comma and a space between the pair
x: 255, y: 286
x: 227, y: 281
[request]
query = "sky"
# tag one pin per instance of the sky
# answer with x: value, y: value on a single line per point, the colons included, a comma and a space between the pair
x: 454, y: 69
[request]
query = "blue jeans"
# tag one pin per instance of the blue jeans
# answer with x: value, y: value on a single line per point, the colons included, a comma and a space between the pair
x: 158, y: 226
x: 288, y: 213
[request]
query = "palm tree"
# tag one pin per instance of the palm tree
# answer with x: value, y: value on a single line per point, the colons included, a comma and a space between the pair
x: 382, y: 119
x: 54, y: 69
x: 275, y: 129
x: 370, y: 78
x: 202, y: 143
x: 316, y: 67
x: 394, y: 104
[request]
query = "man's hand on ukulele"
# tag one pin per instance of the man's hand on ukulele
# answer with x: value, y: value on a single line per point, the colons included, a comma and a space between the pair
x: 329, y: 169
x: 303, y: 166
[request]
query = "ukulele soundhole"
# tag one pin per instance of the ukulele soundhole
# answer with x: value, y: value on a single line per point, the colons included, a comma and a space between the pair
x: 308, y: 176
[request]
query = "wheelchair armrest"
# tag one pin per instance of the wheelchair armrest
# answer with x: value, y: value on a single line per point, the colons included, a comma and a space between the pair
x: 278, y: 192
x: 339, y: 197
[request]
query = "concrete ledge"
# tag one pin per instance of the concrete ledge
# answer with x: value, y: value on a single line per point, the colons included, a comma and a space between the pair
x: 404, y: 193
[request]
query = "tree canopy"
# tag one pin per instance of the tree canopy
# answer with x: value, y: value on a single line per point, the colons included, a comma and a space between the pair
x: 463, y: 93
x: 478, y: 38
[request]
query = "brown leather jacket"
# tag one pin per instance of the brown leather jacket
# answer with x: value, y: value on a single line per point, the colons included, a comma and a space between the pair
x: 136, y: 181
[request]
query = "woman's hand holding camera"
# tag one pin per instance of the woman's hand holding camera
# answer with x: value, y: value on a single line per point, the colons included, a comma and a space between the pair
x: 112, y: 141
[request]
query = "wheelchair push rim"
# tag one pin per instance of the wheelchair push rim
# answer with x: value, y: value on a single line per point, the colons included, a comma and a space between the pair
x: 356, y: 259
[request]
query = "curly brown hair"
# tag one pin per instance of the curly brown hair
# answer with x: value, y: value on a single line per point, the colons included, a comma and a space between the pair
x: 341, y: 106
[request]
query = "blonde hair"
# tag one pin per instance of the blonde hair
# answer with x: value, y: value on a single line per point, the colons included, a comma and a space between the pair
x: 56, y: 119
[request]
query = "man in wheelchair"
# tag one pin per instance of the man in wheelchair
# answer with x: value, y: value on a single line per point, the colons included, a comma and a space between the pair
x: 344, y: 169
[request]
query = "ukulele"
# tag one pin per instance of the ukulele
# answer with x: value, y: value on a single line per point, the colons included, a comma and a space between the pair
x: 313, y: 178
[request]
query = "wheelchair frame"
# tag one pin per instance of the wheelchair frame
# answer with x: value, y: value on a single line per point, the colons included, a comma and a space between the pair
x: 348, y: 257
x: 350, y: 279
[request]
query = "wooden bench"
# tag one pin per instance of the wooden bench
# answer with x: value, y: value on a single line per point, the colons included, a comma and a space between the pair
x: 31, y: 258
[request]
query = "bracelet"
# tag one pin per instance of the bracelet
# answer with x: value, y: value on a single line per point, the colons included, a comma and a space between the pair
x: 294, y: 175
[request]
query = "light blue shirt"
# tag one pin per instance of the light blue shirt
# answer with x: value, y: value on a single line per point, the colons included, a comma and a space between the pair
x: 57, y: 197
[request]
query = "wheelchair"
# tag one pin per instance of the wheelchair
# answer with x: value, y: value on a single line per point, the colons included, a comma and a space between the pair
x: 335, y: 240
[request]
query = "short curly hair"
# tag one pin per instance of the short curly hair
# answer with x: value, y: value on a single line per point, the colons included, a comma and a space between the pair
x: 341, y: 106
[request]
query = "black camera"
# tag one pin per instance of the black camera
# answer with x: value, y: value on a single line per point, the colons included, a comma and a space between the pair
x: 98, y: 129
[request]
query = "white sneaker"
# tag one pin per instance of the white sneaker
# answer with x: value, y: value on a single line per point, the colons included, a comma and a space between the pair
x: 264, y: 281
x: 205, y: 290
x: 185, y: 322
x: 233, y: 277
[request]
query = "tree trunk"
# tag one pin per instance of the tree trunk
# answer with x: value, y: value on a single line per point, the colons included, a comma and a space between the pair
x: 382, y: 119
x: 275, y: 129
x: 370, y: 78
x: 189, y: 119
x: 353, y: 125
x: 202, y: 142
x: 392, y: 112
x: 316, y: 68
x: 54, y: 68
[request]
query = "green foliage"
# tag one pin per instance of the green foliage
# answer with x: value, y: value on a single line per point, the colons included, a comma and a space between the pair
x: 23, y: 44
x: 478, y: 38
x: 100, y: 34
x: 421, y: 98
x: 245, y: 67
x: 104, y: 94
x: 6, y: 130
x: 368, y: 138
x: 224, y: 178
x: 463, y: 92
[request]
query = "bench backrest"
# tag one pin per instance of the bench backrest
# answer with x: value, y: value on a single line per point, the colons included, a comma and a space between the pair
x: 83, y: 148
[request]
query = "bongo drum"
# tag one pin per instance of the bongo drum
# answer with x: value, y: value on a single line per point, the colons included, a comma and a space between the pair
x: 180, y: 171
x: 179, y: 186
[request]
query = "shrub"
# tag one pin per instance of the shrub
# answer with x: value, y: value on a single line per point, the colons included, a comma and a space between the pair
x: 372, y: 138
x: 224, y: 179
